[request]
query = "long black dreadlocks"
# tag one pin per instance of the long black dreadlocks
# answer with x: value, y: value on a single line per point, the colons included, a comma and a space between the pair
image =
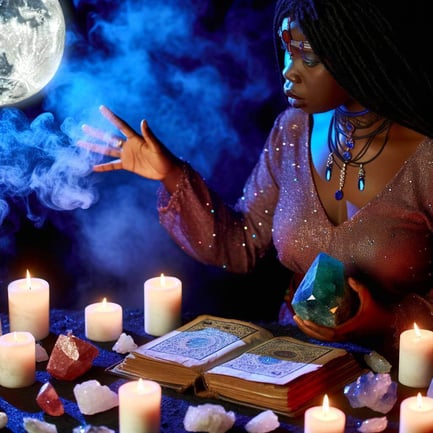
x: 380, y: 51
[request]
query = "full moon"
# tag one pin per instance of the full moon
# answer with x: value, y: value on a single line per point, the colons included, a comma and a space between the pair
x: 32, y: 39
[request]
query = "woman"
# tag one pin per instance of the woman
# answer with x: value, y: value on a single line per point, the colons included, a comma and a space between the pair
x: 346, y: 170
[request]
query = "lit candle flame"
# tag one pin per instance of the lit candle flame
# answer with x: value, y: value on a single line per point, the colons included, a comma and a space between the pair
x: 419, y: 401
x: 417, y: 331
x: 29, y: 283
x: 16, y: 337
x: 141, y: 389
x: 325, y: 406
x: 162, y: 280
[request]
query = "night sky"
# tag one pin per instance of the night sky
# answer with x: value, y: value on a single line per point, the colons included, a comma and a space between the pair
x: 203, y: 74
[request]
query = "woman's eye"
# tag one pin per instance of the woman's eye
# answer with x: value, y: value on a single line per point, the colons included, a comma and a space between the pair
x: 310, y: 61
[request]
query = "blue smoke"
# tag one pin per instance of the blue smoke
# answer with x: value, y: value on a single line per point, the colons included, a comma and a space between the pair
x: 202, y: 73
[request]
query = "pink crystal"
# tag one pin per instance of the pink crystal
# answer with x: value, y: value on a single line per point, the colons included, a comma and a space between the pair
x: 49, y: 401
x: 71, y: 357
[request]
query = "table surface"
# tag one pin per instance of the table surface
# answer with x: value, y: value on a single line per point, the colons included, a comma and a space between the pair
x: 21, y: 403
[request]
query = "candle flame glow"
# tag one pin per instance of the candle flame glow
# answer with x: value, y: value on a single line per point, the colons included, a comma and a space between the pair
x: 141, y: 388
x: 16, y: 337
x: 419, y: 401
x: 417, y: 332
x: 29, y: 284
x: 162, y: 280
x: 325, y: 406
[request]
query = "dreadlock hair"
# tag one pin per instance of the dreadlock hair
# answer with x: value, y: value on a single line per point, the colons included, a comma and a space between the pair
x: 378, y: 51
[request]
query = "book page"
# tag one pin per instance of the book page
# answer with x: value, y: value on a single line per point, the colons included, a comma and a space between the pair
x: 203, y: 341
x: 277, y: 361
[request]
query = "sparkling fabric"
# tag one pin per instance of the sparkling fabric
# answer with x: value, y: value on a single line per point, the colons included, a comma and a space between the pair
x: 390, y: 239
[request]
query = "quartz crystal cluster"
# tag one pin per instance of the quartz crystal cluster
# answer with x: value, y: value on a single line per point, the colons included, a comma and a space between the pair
x: 213, y: 418
x: 375, y: 391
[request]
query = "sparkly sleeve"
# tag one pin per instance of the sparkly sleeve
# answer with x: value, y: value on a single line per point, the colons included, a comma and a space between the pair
x: 216, y: 233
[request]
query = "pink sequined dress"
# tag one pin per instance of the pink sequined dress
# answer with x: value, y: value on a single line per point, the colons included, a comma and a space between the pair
x: 390, y: 239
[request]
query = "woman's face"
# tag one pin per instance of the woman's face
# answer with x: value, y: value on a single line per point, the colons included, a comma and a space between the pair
x: 307, y: 83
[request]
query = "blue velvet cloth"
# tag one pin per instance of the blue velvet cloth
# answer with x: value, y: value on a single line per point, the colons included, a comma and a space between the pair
x: 21, y: 403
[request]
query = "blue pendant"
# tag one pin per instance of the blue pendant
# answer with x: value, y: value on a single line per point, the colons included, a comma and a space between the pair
x: 328, y: 173
x: 339, y: 195
x: 361, y: 183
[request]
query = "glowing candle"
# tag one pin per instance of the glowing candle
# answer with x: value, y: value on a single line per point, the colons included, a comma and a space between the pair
x: 17, y: 360
x: 29, y: 306
x: 324, y: 419
x: 103, y: 321
x: 415, y: 367
x: 416, y: 415
x: 140, y: 407
x: 162, y: 305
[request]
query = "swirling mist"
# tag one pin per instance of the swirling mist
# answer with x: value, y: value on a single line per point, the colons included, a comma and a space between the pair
x: 204, y: 76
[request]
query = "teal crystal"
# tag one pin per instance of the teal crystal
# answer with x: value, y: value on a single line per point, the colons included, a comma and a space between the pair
x: 321, y: 291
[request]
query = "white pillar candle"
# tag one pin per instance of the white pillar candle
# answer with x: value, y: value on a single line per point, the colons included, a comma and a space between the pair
x: 162, y: 305
x: 140, y: 407
x: 17, y: 360
x: 29, y: 306
x: 415, y: 366
x: 103, y: 321
x: 416, y: 415
x: 324, y: 419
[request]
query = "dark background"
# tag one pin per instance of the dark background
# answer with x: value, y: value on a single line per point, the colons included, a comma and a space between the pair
x: 203, y: 74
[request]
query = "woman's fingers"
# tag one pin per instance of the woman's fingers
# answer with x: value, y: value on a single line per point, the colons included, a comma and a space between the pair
x: 108, y: 166
x: 99, y: 148
x: 120, y: 124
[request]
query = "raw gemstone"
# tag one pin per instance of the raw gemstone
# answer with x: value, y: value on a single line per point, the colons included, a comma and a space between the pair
x: 377, y: 362
x: 321, y: 291
x: 41, y: 353
x: 374, y: 425
x: 264, y: 422
x: 92, y: 397
x: 71, y: 357
x: 210, y: 418
x: 33, y: 425
x: 375, y: 391
x: 124, y: 344
x: 3, y: 419
x: 49, y: 401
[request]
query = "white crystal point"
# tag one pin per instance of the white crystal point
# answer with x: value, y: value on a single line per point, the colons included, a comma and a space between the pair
x: 92, y: 397
x: 210, y: 418
x: 124, y: 344
x: 41, y: 353
x: 33, y: 425
x: 3, y: 420
x: 374, y: 425
x: 263, y: 423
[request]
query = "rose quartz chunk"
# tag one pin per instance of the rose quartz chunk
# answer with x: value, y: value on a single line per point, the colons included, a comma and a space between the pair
x: 71, y: 357
x: 49, y: 401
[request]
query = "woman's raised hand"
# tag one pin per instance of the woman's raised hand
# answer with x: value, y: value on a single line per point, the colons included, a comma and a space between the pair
x: 143, y: 154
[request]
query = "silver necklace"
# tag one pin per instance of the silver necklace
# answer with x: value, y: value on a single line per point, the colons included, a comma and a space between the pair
x: 345, y: 128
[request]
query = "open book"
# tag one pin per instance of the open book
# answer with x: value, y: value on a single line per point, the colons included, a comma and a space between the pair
x: 241, y: 362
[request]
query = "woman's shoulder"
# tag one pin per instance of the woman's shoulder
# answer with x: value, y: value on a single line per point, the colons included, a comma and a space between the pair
x: 292, y: 116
